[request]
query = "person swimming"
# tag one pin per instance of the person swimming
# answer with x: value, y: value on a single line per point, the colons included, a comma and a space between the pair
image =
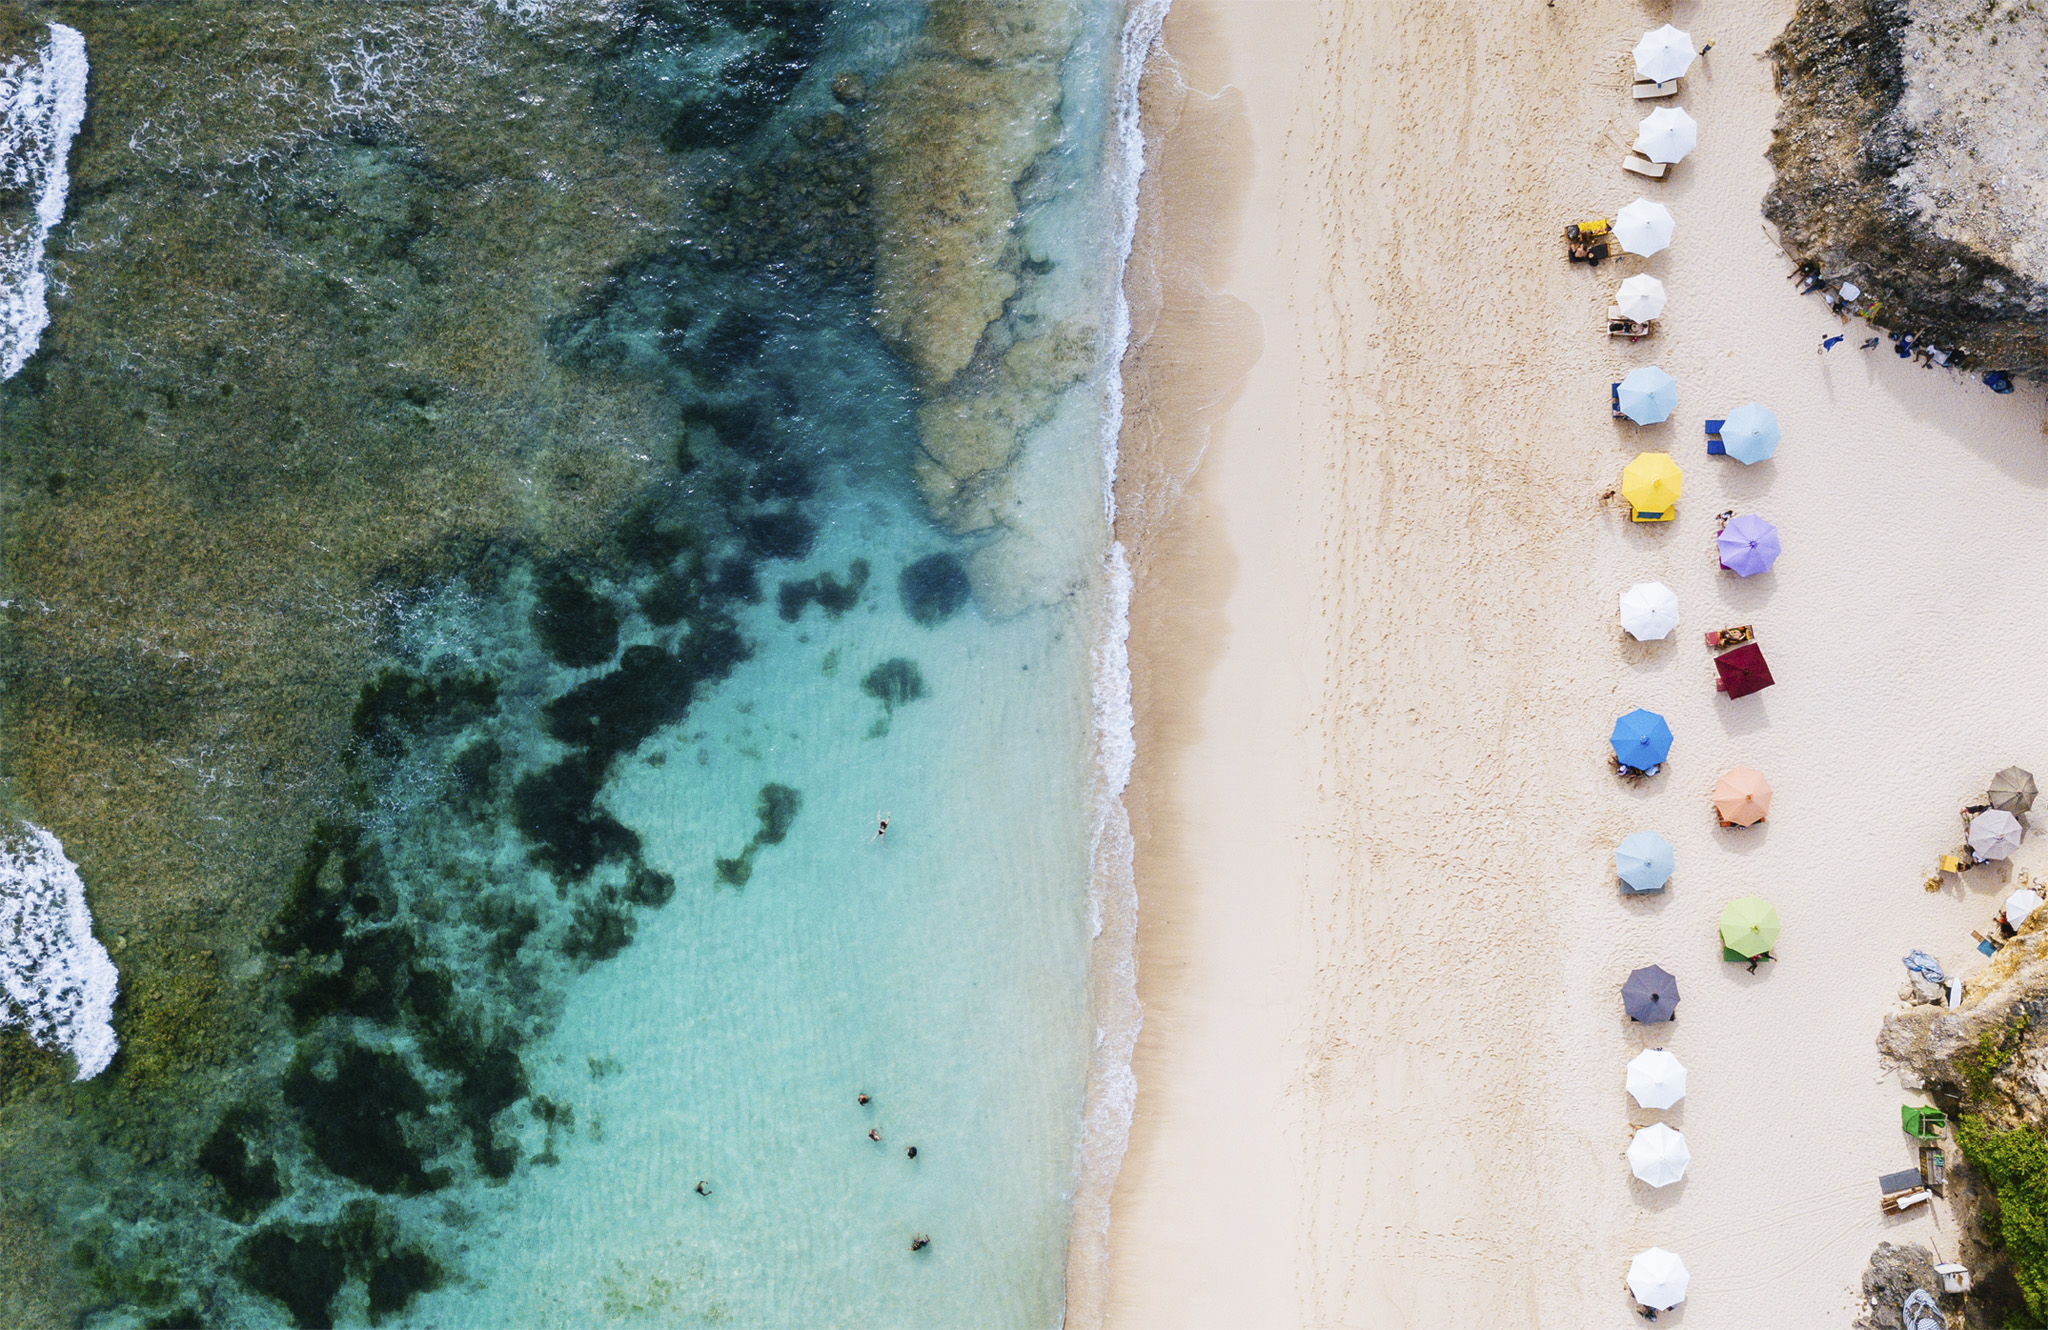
x: 920, y: 1242
x: 881, y: 826
x: 862, y: 1100
x: 703, y: 1187
x: 874, y: 1133
x: 911, y: 1151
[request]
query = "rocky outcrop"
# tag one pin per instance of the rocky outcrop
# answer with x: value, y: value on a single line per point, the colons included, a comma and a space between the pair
x: 1986, y: 1064
x: 1912, y: 159
x: 956, y: 136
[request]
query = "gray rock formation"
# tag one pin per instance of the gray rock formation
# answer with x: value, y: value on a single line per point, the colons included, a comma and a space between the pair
x: 1912, y: 159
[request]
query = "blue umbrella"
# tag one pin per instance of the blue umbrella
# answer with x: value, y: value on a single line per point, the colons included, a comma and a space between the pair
x: 1650, y: 994
x: 1750, y: 434
x: 1644, y: 861
x: 1641, y: 739
x: 1648, y: 395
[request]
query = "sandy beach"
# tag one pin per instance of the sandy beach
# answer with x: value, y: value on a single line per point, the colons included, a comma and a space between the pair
x: 1375, y: 660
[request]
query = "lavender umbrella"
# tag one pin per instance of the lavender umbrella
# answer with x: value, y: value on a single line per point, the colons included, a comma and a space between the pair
x: 1749, y: 545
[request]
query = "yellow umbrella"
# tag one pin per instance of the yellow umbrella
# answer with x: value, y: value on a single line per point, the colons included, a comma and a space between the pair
x: 1742, y: 797
x: 1651, y: 483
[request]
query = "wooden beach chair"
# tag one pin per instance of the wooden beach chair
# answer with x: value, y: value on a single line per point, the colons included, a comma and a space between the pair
x: 1644, y: 89
x: 1643, y: 166
x: 1617, y: 326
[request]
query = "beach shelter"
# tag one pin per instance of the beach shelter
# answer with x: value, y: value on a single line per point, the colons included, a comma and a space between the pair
x: 1641, y: 740
x: 1742, y: 797
x: 1665, y: 53
x: 1748, y: 545
x: 1658, y: 1155
x: 1743, y: 670
x: 1994, y: 834
x: 1644, y: 861
x: 1649, y: 610
x: 1641, y: 298
x: 1749, y: 927
x: 1643, y: 227
x: 2012, y: 790
x: 1648, y: 395
x: 1657, y: 1279
x: 1650, y: 995
x: 1651, y: 483
x: 1750, y: 433
x: 1656, y: 1078
x: 1667, y: 134
x: 2020, y: 906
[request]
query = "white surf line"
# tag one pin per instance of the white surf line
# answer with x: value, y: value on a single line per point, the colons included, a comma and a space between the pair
x: 41, y: 107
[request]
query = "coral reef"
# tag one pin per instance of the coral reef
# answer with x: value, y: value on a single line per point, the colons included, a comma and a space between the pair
x: 956, y: 134
x: 1911, y: 160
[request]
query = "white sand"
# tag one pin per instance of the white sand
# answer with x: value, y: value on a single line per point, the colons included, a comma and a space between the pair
x: 1380, y: 1081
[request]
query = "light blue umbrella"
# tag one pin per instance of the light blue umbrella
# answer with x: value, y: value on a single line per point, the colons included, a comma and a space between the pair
x: 1648, y: 395
x: 1644, y: 861
x: 1750, y: 434
x: 1641, y: 739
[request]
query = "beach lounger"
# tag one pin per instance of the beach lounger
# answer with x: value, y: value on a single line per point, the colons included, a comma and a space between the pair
x: 1617, y: 326
x: 1646, y: 89
x: 1715, y: 448
x: 1643, y: 166
x: 1898, y: 1205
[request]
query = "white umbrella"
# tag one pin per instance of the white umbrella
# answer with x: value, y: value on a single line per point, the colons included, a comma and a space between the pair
x: 2020, y: 906
x: 1658, y: 1155
x: 1664, y: 54
x: 1643, y: 227
x: 1667, y: 134
x: 1658, y: 1278
x: 1649, y: 610
x: 1995, y: 833
x: 1656, y: 1078
x: 1641, y: 298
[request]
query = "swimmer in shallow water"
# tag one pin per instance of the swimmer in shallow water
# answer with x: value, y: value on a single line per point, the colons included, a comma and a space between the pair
x: 874, y: 1133
x: 881, y: 826
x: 703, y: 1187
x: 920, y: 1242
x: 862, y: 1100
x: 912, y: 1150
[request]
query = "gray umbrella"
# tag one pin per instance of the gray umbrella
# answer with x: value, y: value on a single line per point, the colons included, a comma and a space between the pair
x: 1650, y: 994
x: 2013, y: 790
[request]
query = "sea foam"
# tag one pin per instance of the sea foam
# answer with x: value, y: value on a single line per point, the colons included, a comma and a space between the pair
x: 56, y: 978
x: 41, y: 107
x: 1112, y: 1085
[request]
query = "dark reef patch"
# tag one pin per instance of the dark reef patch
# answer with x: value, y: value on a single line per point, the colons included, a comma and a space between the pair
x: 399, y: 704
x: 933, y: 589
x: 557, y: 810
x: 600, y: 929
x: 893, y: 683
x: 575, y: 625
x: 238, y: 1161
x: 775, y: 808
x: 355, y: 1116
x: 826, y: 591
x: 787, y: 535
x: 305, y: 1266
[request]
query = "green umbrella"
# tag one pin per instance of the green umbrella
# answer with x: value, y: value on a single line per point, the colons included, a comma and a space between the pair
x: 1749, y: 926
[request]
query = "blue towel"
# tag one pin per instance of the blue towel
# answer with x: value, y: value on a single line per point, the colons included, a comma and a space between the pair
x: 1925, y: 966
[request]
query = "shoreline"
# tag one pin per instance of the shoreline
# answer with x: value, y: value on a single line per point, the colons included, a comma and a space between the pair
x: 1373, y: 661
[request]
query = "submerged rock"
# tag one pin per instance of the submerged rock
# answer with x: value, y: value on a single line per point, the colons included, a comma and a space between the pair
x: 1912, y: 159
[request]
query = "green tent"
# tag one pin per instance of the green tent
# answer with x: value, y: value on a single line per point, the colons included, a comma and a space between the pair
x: 1749, y: 927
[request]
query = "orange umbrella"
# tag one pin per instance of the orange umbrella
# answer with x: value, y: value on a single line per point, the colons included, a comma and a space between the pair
x: 1742, y: 797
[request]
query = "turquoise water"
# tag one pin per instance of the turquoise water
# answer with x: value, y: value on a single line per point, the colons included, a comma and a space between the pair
x: 476, y: 580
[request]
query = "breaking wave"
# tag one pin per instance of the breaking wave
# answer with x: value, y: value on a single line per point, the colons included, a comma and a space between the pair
x: 57, y: 979
x: 41, y: 106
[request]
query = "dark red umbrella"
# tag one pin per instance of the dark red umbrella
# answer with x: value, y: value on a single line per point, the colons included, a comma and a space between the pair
x: 1743, y: 671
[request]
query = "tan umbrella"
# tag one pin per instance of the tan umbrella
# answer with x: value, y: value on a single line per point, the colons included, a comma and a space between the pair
x: 2012, y: 790
x: 1742, y: 797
